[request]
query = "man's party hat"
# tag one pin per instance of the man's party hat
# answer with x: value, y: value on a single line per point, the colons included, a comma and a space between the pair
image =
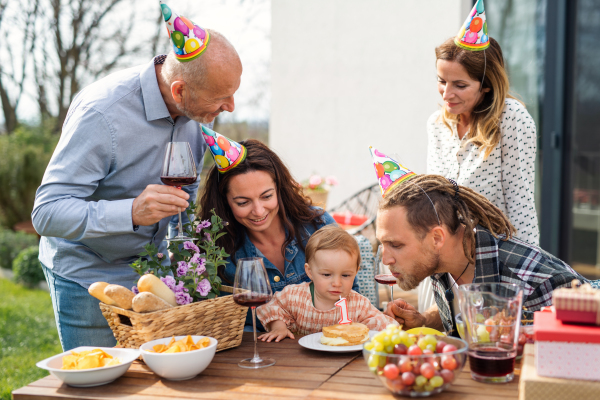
x: 189, y: 40
x: 474, y: 33
x: 389, y: 171
x: 227, y: 153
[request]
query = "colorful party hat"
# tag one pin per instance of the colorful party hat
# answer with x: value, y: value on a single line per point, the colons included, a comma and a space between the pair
x: 389, y: 171
x: 227, y: 153
x: 189, y: 40
x: 474, y: 33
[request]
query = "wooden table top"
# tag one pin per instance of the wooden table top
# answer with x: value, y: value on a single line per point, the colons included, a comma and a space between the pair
x: 298, y: 374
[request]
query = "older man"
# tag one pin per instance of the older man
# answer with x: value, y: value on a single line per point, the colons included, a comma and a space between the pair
x: 101, y: 201
x: 431, y: 227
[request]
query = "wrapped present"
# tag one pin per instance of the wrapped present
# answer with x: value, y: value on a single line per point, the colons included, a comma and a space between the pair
x: 532, y: 386
x: 566, y: 350
x: 577, y: 305
x: 347, y: 218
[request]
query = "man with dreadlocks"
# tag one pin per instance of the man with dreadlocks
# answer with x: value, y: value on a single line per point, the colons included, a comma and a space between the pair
x: 431, y: 227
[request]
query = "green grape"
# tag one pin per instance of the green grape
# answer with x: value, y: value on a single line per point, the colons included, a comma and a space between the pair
x: 369, y: 346
x: 392, y: 326
x: 396, y: 339
x: 389, y: 349
x: 382, y: 361
x: 428, y: 387
x: 430, y: 339
x: 379, y: 337
x: 420, y: 380
x: 422, y: 344
x: 436, y: 381
x: 387, y: 341
x: 409, y: 341
x: 373, y: 361
x: 479, y: 318
x: 430, y: 347
x: 482, y: 334
x: 403, y: 335
x: 379, y: 347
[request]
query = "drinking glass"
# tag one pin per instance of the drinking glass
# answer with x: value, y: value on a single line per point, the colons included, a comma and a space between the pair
x: 179, y: 169
x: 491, y: 314
x: 382, y: 277
x: 251, y: 288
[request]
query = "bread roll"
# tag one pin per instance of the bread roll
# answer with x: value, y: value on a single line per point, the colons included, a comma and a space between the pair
x: 97, y: 290
x: 152, y: 284
x: 148, y: 302
x: 120, y: 295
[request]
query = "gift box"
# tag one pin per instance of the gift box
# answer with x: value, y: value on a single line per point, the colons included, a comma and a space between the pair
x: 347, y: 218
x: 578, y: 305
x: 532, y: 386
x: 566, y: 350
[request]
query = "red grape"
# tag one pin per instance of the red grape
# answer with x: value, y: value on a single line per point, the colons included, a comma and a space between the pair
x: 449, y: 362
x: 408, y: 378
x: 395, y: 385
x: 506, y: 338
x: 405, y: 365
x: 427, y: 351
x: 449, y: 348
x: 440, y: 346
x: 427, y: 370
x: 400, y: 349
x: 415, y: 350
x: 447, y: 375
x: 391, y: 371
x: 522, y: 339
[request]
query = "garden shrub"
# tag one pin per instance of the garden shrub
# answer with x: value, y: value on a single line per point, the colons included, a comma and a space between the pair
x: 27, y: 268
x: 11, y: 244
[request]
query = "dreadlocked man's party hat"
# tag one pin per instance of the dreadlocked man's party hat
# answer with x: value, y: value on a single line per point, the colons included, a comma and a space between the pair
x: 227, y: 153
x: 389, y: 171
x: 474, y: 33
x: 189, y: 40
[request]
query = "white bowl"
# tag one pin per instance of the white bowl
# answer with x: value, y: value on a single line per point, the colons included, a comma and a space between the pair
x: 92, y: 376
x: 178, y: 366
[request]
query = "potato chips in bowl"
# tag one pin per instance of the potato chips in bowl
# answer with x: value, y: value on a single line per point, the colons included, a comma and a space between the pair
x: 180, y: 357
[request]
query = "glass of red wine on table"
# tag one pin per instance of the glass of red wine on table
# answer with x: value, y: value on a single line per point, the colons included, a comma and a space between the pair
x: 251, y: 288
x: 492, y: 317
x: 179, y: 169
x: 382, y: 277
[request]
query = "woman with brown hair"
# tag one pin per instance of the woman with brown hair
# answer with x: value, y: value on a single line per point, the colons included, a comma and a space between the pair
x: 268, y: 216
x: 482, y: 138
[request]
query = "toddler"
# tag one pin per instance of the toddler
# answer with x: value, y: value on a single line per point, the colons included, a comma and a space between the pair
x: 332, y: 261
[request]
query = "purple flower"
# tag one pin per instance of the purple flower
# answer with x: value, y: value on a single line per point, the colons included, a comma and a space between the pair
x: 207, y: 236
x: 135, y: 290
x: 191, y: 246
x: 202, y: 225
x: 201, y: 268
x: 160, y: 256
x: 169, y: 281
x: 179, y: 288
x: 195, y: 259
x: 203, y: 287
x: 182, y: 268
x: 183, y: 298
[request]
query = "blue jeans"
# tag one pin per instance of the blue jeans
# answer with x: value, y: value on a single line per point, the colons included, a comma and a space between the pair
x: 78, y: 317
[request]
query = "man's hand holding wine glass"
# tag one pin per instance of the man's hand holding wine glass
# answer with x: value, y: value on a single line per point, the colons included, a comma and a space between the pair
x: 157, y: 202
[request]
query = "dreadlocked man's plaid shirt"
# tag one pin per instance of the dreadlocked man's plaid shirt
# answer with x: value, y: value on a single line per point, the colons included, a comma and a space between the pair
x: 512, y: 261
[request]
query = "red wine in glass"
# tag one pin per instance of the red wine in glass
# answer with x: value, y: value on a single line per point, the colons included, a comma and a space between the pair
x: 178, y: 181
x: 385, y: 279
x: 492, y: 361
x: 251, y: 299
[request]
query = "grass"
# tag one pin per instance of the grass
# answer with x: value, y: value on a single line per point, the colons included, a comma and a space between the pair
x: 27, y: 335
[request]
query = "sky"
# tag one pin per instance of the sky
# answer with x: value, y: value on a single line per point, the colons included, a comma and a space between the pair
x: 246, y: 23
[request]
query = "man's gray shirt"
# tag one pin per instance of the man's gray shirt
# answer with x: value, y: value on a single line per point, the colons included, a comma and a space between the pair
x: 111, y: 147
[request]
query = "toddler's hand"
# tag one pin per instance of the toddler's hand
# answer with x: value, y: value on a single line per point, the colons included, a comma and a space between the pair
x: 279, y: 331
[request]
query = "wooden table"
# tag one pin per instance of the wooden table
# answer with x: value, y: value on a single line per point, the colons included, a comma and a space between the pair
x: 298, y: 374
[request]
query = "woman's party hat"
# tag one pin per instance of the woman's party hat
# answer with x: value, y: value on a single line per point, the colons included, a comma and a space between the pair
x: 189, y: 40
x: 227, y: 153
x: 389, y: 171
x: 474, y: 33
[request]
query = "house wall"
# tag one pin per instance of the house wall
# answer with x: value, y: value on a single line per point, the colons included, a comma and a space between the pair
x: 349, y: 74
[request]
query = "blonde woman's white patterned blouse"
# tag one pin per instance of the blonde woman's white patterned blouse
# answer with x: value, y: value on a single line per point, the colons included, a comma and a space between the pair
x: 506, y: 177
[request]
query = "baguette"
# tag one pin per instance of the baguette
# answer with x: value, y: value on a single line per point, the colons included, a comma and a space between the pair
x: 97, y: 290
x: 148, y: 302
x: 152, y: 284
x: 120, y: 295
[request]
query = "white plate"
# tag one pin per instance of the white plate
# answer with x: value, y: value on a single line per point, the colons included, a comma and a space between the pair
x: 93, y: 376
x: 313, y: 342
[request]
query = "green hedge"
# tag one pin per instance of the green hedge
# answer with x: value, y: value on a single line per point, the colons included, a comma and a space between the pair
x: 11, y: 244
x: 27, y: 267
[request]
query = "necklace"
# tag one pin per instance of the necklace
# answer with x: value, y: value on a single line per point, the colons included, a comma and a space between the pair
x: 449, y: 294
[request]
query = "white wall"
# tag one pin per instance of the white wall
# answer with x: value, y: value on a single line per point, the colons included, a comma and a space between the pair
x: 346, y: 74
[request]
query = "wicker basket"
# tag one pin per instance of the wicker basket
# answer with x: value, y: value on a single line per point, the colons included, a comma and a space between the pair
x: 220, y: 318
x: 318, y: 197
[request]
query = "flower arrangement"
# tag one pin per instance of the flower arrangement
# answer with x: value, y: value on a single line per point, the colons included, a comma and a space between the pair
x: 319, y: 184
x: 192, y: 274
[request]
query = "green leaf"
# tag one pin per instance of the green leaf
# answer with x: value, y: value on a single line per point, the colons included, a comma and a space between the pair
x: 211, y: 295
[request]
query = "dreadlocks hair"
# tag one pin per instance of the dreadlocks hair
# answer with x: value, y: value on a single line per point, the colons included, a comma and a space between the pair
x: 465, y: 207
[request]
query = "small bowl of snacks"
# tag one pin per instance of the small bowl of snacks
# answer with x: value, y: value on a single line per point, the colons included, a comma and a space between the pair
x: 415, y: 365
x: 90, y: 366
x: 179, y: 357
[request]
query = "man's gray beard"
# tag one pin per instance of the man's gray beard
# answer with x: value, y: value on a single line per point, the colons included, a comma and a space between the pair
x: 183, y: 109
x: 425, y: 271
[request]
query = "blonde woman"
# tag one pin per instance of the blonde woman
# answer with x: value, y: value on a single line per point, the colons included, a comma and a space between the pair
x: 483, y: 138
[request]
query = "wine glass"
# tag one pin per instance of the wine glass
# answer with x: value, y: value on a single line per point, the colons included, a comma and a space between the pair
x: 251, y: 288
x: 179, y: 169
x: 382, y: 277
